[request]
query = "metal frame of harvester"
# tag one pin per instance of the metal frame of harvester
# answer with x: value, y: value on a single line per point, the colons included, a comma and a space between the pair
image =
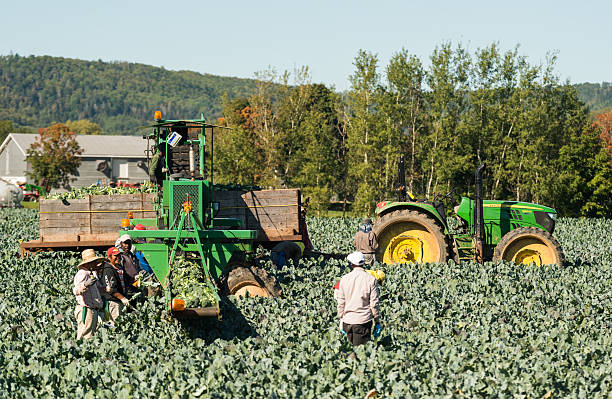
x: 416, y: 231
x: 186, y: 221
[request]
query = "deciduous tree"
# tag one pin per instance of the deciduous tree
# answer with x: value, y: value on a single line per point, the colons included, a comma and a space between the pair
x: 54, y: 157
x: 363, y: 130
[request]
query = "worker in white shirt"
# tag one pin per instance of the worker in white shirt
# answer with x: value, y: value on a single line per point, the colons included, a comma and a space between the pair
x: 358, y: 305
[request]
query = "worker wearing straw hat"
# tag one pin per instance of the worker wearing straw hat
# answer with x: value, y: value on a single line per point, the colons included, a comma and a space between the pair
x: 87, y: 293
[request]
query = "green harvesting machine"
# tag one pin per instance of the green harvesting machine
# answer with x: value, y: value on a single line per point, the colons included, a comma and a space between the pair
x: 416, y: 231
x: 185, y: 229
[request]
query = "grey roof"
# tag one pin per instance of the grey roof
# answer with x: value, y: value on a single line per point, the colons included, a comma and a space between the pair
x: 94, y: 146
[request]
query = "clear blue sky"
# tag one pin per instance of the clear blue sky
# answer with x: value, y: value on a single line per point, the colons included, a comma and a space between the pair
x: 238, y: 38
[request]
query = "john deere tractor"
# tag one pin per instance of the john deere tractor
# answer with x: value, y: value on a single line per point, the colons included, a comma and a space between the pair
x: 416, y: 231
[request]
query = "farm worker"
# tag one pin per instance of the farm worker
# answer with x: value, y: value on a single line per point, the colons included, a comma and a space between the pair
x: 358, y: 302
x: 144, y: 265
x: 365, y: 241
x: 286, y: 250
x: 379, y: 275
x: 87, y: 294
x: 129, y: 262
x: 114, y: 282
x: 156, y: 166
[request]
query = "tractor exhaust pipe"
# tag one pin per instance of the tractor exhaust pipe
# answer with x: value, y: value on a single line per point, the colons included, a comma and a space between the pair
x: 479, y: 228
x: 191, y: 162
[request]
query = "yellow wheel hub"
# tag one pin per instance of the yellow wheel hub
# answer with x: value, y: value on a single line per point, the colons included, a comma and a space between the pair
x: 528, y: 250
x: 405, y: 249
x: 251, y: 288
x: 409, y: 242
x: 525, y: 257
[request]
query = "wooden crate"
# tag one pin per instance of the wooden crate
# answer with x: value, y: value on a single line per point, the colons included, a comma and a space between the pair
x: 95, y: 217
x: 275, y: 214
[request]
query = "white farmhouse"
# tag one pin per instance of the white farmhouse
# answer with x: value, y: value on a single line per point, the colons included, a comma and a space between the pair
x: 104, y: 159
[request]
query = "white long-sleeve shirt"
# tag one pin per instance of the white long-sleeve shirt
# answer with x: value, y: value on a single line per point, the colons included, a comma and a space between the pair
x: 358, y: 297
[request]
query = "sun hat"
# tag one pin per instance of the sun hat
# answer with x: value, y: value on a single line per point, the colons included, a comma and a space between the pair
x: 356, y: 258
x: 89, y: 257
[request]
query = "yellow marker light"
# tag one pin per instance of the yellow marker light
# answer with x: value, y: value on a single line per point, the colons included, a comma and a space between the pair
x: 178, y: 304
x: 157, y: 115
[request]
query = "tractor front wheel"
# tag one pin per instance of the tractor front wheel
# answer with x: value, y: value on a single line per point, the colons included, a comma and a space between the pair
x: 527, y: 245
x: 406, y: 236
x: 254, y: 281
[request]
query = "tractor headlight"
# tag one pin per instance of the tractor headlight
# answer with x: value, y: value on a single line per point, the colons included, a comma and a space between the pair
x: 553, y: 216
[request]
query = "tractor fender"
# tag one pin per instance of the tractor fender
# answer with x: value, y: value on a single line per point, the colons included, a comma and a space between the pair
x: 386, y: 207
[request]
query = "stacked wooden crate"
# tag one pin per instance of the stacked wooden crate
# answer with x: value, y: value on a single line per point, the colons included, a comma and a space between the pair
x: 94, y: 221
x: 93, y: 218
x: 275, y: 214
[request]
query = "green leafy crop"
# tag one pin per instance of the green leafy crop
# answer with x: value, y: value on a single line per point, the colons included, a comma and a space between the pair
x: 451, y: 330
x: 94, y: 189
x: 188, y: 283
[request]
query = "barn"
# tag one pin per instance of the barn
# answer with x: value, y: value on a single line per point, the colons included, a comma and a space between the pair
x: 105, y: 159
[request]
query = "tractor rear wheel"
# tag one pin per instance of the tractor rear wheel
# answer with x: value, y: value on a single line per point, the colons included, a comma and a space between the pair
x: 527, y: 245
x: 406, y: 236
x: 243, y: 279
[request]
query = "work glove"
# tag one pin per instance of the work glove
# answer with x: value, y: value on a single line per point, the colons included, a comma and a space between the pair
x: 125, y: 301
x: 377, y: 330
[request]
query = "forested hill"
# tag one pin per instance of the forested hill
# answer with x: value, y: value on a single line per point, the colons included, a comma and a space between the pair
x: 598, y: 96
x: 38, y: 90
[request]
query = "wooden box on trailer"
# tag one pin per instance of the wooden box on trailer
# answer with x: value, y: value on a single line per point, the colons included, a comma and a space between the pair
x: 93, y: 222
x: 275, y: 214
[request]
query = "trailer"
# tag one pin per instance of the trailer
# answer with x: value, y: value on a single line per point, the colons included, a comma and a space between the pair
x: 93, y: 221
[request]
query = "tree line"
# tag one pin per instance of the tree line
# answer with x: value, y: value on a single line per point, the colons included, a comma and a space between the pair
x: 445, y: 118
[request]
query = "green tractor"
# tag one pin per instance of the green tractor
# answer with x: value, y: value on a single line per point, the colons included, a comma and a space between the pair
x: 416, y: 231
x: 186, y: 224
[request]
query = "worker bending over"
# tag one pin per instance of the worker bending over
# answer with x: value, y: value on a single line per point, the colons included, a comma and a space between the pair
x: 365, y: 241
x: 286, y: 250
x: 357, y: 298
x: 87, y: 294
x: 114, y: 281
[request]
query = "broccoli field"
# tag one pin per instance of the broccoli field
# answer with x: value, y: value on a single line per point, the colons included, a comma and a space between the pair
x: 492, y: 330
